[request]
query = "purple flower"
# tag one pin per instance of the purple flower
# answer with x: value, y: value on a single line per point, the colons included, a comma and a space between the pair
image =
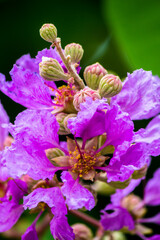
x: 150, y: 136
x: 9, y: 205
x: 132, y: 207
x: 140, y: 95
x: 4, y: 119
x: 53, y: 197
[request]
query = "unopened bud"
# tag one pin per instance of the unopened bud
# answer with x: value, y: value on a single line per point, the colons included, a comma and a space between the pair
x: 93, y: 74
x: 54, y: 152
x: 81, y: 96
x: 140, y: 173
x: 134, y: 205
x: 82, y: 232
x: 60, y: 119
x: 115, y: 236
x: 75, y: 51
x: 48, y: 32
x: 103, y: 188
x: 120, y: 185
x: 51, y: 70
x: 66, y: 121
x: 109, y: 85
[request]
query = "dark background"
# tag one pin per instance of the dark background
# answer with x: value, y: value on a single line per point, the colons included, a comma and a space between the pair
x: 121, y: 35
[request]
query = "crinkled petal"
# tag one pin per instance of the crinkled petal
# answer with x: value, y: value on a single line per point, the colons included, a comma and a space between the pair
x: 37, y: 129
x: 4, y: 119
x: 4, y: 174
x: 30, y: 234
x: 10, y: 213
x: 26, y: 88
x: 76, y: 195
x: 35, y: 164
x: 140, y: 95
x: 120, y: 193
x: 151, y: 136
x: 134, y: 159
x: 116, y: 220
x: 27, y: 62
x: 87, y: 124
x: 60, y: 228
x: 152, y: 190
x: 52, y: 196
x: 119, y: 130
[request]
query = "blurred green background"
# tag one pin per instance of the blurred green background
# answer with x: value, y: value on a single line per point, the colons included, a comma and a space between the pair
x: 122, y: 35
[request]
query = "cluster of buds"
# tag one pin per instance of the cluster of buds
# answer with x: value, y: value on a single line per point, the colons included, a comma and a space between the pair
x: 100, y: 84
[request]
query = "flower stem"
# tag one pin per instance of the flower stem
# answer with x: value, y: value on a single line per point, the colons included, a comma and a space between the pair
x: 68, y: 64
x: 86, y: 218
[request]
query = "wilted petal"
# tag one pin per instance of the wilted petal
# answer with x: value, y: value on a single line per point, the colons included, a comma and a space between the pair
x: 76, y: 195
x: 140, y: 95
x: 116, y: 220
x: 26, y: 88
x: 151, y: 136
x: 60, y: 228
x: 152, y: 190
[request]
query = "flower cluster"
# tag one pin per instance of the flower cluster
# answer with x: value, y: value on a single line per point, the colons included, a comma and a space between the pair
x: 73, y: 136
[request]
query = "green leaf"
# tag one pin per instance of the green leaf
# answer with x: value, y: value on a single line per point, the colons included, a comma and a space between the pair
x: 136, y: 27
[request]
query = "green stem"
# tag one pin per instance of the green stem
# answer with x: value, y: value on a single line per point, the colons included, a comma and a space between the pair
x: 68, y: 64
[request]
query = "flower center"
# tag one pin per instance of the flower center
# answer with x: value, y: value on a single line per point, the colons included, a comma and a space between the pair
x: 83, y: 161
x: 64, y: 94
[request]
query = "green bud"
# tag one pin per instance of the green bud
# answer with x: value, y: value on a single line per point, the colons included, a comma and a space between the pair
x: 82, y: 232
x: 120, y: 185
x: 51, y: 70
x: 115, y: 236
x: 93, y: 74
x: 60, y: 119
x: 109, y: 85
x: 75, y: 51
x: 103, y: 188
x: 54, y: 152
x: 48, y: 32
x: 140, y: 173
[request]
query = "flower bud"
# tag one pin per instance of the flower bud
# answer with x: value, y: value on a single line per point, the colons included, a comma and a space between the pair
x: 81, y: 96
x: 60, y: 119
x: 134, y: 205
x: 140, y: 173
x: 93, y: 74
x: 120, y: 185
x: 109, y: 85
x: 82, y: 232
x: 75, y: 51
x: 103, y: 188
x: 51, y: 70
x: 66, y: 121
x: 54, y: 152
x: 115, y: 236
x: 48, y: 32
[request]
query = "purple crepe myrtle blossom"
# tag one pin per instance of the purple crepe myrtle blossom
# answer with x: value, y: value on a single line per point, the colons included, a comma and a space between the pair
x: 132, y: 207
x: 140, y: 95
x: 96, y: 118
x: 10, y: 208
x: 27, y: 86
x: 53, y: 197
